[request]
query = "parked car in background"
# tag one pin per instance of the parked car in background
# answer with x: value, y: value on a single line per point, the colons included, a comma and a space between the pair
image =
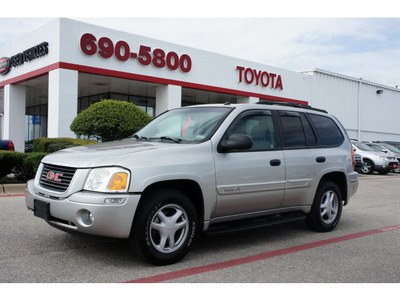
x: 386, y: 148
x: 358, y: 162
x: 375, y: 160
x: 392, y: 143
x: 7, y: 145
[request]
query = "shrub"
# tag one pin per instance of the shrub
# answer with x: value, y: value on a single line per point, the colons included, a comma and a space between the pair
x: 110, y: 120
x: 54, y: 144
x: 29, y: 166
x: 9, y: 160
x: 23, y: 165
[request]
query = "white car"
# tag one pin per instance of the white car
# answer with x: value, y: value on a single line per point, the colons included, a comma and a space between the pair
x: 375, y: 160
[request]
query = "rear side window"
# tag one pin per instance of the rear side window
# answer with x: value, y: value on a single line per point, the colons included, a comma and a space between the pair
x: 327, y: 130
x: 293, y: 132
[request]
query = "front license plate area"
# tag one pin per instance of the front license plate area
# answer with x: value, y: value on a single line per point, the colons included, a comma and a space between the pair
x: 41, y: 209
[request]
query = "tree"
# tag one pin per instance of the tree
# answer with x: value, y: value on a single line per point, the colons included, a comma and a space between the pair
x: 110, y: 120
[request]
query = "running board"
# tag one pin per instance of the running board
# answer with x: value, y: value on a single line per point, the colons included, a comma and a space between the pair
x: 242, y: 225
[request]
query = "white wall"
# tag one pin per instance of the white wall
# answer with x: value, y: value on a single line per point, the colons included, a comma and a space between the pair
x: 209, y: 70
x: 365, y: 114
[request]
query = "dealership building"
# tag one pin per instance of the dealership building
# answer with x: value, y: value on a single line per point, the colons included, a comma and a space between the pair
x: 53, y: 73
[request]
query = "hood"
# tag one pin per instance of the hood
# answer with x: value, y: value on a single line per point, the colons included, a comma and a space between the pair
x: 369, y: 153
x: 102, y: 154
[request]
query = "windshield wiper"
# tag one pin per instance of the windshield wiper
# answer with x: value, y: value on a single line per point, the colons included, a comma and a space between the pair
x: 167, y: 138
x: 139, y: 138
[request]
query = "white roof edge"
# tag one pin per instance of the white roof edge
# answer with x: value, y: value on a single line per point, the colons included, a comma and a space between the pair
x: 349, y: 78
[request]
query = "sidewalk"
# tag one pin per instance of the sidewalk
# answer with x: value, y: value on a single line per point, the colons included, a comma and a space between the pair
x: 12, y: 189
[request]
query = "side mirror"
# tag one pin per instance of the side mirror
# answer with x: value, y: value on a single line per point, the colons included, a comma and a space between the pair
x: 235, y: 142
x: 384, y: 151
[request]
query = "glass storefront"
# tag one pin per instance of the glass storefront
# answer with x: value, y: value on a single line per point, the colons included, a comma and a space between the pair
x: 146, y: 103
x: 35, y: 122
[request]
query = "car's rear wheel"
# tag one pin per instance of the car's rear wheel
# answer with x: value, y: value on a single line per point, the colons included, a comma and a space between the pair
x: 327, y: 207
x: 165, y: 226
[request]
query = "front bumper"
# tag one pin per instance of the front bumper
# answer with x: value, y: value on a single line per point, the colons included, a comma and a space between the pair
x: 85, y: 212
x: 387, y: 167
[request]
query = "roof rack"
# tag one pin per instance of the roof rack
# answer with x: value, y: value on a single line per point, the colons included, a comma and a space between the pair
x: 291, y: 104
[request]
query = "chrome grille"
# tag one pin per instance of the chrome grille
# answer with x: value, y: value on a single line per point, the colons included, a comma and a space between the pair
x: 56, y: 178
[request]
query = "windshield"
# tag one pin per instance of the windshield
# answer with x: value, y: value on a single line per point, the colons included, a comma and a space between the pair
x: 191, y: 124
x: 362, y: 146
x: 391, y: 148
x: 376, y: 147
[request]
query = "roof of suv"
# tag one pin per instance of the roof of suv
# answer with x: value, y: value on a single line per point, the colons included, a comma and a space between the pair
x: 268, y: 102
x: 291, y: 104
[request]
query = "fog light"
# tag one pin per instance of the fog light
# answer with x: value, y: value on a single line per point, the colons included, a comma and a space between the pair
x: 114, y: 200
x: 86, y: 217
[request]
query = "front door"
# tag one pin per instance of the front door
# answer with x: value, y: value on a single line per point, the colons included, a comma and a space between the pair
x: 252, y: 180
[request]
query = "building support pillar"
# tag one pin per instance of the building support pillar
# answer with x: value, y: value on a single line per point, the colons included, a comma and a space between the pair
x: 168, y: 97
x: 63, y: 102
x: 14, y: 115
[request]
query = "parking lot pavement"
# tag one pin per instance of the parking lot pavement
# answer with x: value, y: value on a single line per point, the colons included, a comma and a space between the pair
x: 363, y: 248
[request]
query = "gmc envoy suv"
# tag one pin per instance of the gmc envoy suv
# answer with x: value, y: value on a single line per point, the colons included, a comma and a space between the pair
x: 206, y: 168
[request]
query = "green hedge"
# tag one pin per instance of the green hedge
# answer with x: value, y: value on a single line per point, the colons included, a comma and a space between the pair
x: 29, y: 166
x: 23, y: 165
x: 10, y: 160
x: 54, y: 144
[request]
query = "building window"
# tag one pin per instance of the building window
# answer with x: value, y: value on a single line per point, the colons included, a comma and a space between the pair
x: 145, y: 103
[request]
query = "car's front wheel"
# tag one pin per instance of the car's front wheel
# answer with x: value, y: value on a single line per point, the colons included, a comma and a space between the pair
x: 368, y: 167
x: 327, y: 207
x: 165, y: 226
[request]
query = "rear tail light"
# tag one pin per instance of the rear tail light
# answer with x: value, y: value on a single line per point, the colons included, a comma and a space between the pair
x: 11, y: 146
x: 353, y: 160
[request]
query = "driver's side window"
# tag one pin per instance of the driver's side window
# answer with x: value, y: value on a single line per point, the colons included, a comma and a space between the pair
x: 259, y: 126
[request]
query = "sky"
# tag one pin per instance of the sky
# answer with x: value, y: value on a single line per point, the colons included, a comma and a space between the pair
x: 360, y: 40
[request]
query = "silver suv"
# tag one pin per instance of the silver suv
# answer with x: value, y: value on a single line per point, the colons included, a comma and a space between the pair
x: 388, y: 149
x: 375, y: 160
x: 213, y: 168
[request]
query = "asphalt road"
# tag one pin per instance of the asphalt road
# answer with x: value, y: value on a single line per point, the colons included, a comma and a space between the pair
x: 364, y: 248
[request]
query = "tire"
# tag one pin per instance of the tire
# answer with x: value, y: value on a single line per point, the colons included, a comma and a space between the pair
x: 165, y: 227
x: 327, y: 207
x: 368, y: 167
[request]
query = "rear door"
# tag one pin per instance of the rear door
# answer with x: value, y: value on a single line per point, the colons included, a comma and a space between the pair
x: 309, y: 151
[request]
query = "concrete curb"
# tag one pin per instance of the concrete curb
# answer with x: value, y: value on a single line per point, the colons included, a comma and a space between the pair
x: 12, y: 189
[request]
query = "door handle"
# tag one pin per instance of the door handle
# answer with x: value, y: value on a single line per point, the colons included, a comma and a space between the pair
x: 275, y: 162
x: 320, y: 159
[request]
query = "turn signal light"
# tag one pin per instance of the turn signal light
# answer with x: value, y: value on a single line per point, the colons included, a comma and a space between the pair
x: 118, y: 182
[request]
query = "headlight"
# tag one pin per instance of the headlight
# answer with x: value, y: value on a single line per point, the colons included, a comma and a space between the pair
x: 107, y: 180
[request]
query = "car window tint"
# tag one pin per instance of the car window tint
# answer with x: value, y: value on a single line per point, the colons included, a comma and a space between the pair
x: 259, y: 126
x: 310, y: 137
x: 327, y: 130
x: 293, y: 133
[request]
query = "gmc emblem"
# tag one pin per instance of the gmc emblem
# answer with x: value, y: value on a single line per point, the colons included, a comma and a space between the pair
x: 54, y: 176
